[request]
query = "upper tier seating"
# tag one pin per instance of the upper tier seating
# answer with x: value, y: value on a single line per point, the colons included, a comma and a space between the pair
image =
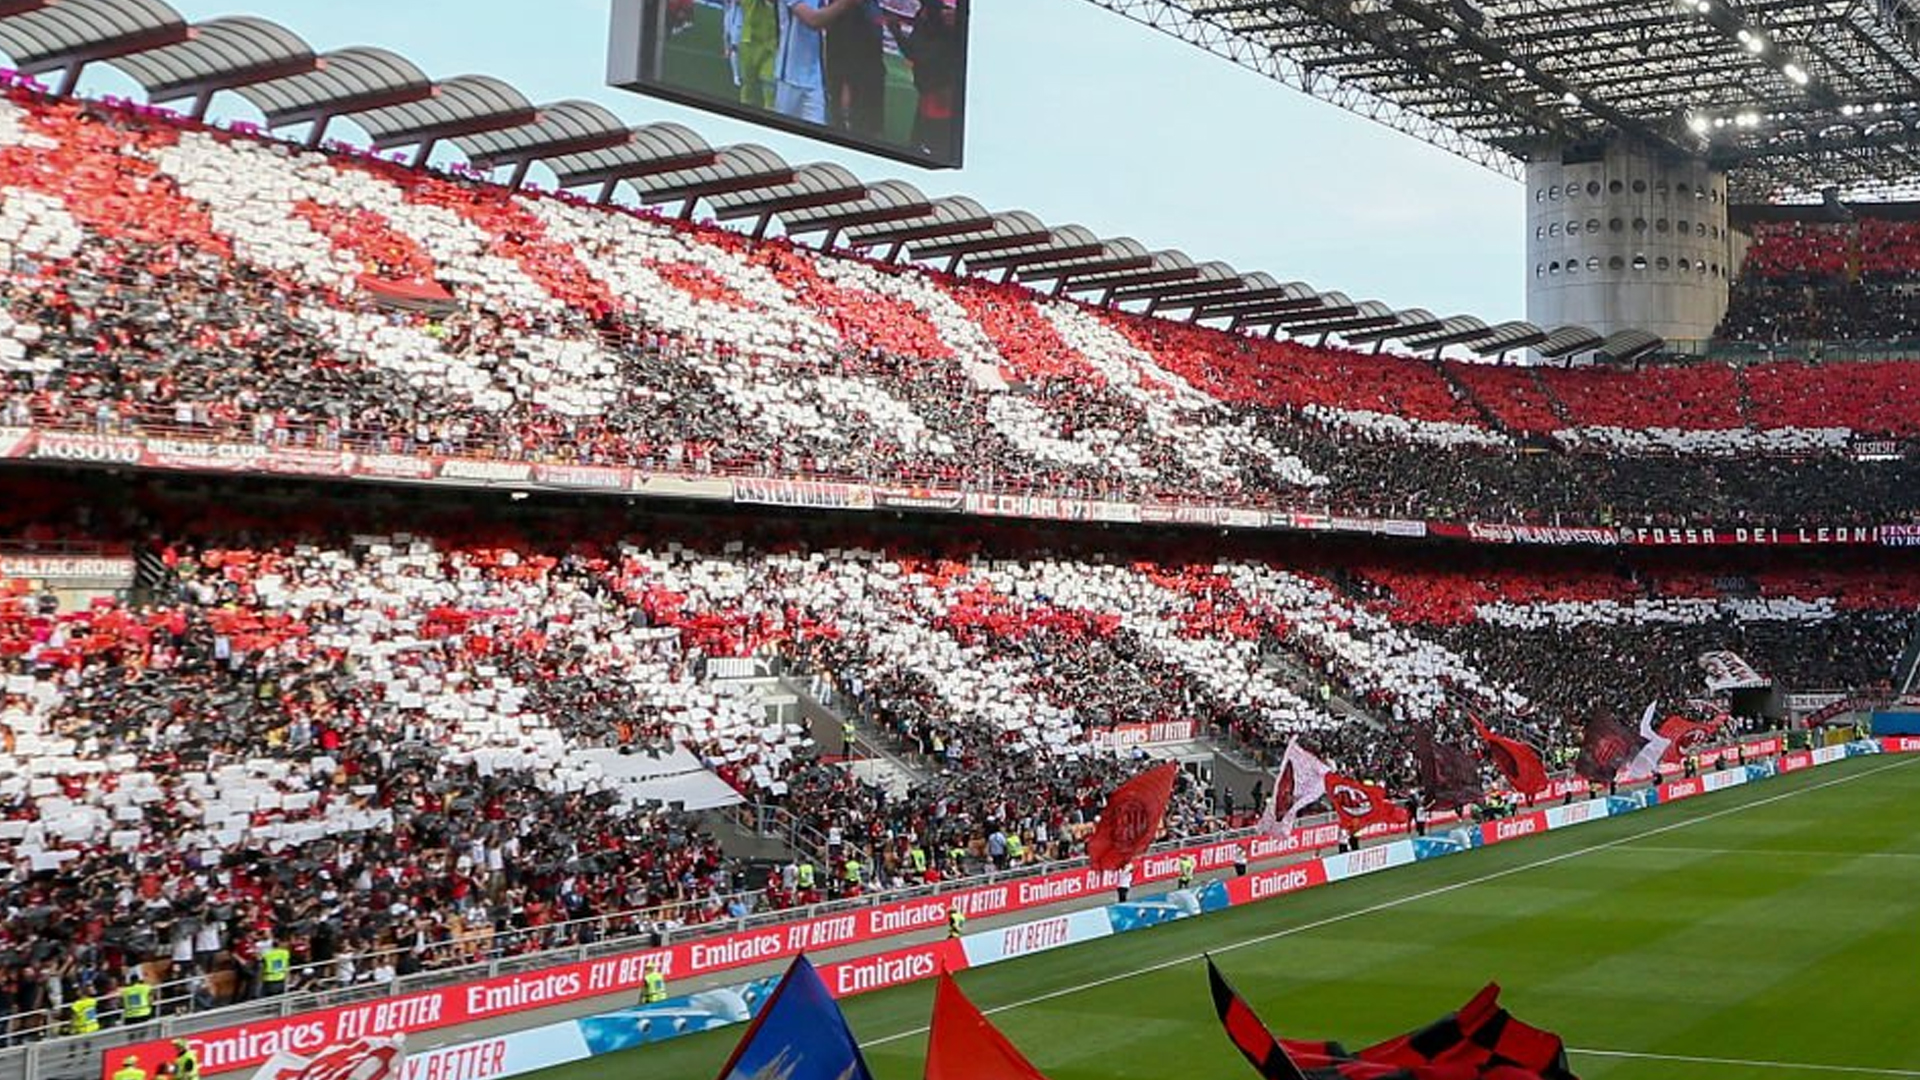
x: 171, y: 279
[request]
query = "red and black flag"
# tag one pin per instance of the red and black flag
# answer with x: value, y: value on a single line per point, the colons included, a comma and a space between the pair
x: 1517, y: 761
x: 1609, y: 744
x: 1448, y: 776
x: 1248, y: 1034
x: 1132, y: 818
x: 1480, y: 1036
x: 1360, y: 805
x: 1480, y: 1041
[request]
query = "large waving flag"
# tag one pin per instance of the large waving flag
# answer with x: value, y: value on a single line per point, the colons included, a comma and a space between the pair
x: 1132, y: 818
x: 1480, y: 1041
x: 1653, y: 750
x: 1448, y: 776
x: 799, y: 1035
x: 1608, y: 745
x: 963, y: 1045
x: 1361, y: 805
x: 1517, y: 761
x: 1302, y: 780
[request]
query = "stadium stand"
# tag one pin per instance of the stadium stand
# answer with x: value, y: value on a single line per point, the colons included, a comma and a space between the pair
x: 172, y: 279
x: 385, y: 747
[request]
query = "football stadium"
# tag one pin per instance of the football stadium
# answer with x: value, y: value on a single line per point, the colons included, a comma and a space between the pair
x: 500, y: 586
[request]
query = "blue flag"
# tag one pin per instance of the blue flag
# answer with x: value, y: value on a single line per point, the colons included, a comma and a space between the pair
x: 799, y: 1035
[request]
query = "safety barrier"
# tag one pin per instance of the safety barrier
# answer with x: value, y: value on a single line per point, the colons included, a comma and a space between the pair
x: 542, y: 1047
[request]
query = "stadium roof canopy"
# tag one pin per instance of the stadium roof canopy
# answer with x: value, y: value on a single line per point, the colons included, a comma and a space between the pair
x: 587, y: 146
x: 1788, y: 96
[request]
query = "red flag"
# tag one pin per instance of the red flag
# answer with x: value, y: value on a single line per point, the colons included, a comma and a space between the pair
x: 1686, y: 735
x: 963, y: 1045
x: 1449, y: 778
x: 1517, y: 761
x: 1132, y: 818
x: 1361, y: 805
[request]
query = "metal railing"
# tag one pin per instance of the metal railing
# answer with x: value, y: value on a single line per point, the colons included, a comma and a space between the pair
x: 79, y: 1056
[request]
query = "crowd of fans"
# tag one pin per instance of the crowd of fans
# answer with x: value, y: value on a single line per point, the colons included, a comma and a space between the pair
x: 1848, y: 283
x: 379, y: 741
x: 376, y: 748
x: 169, y: 279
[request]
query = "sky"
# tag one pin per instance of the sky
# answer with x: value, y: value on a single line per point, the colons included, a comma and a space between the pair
x: 1074, y: 113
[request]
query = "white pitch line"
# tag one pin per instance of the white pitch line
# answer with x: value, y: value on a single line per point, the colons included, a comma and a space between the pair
x: 1745, y: 1063
x: 1785, y: 853
x: 1388, y: 905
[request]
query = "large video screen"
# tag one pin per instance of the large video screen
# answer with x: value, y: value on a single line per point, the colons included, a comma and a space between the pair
x: 885, y: 76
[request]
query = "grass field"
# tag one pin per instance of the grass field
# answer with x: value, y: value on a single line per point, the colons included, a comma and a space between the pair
x: 1770, y: 931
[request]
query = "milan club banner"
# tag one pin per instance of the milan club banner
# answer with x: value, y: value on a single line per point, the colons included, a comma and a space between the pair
x: 918, y: 498
x: 1822, y: 536
x: 1900, y: 536
x: 1725, y: 670
x: 806, y: 494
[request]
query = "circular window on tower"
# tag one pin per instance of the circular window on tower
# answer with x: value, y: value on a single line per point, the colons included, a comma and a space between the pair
x: 1553, y: 193
x: 1682, y: 227
x: 1553, y: 229
x: 1660, y: 188
x: 1553, y: 267
x: 1660, y: 225
x: 1700, y: 228
x: 1539, y: 232
x: 1639, y: 261
x: 1615, y: 187
x: 1572, y: 190
x: 1681, y: 190
x: 1593, y: 265
x: 1593, y: 224
x: 1616, y: 263
x: 1639, y: 224
x: 1661, y: 264
x: 1639, y: 187
x: 1616, y: 225
x: 1539, y: 269
x: 1593, y: 187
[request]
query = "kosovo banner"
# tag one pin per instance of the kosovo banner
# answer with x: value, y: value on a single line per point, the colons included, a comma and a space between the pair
x: 1302, y: 780
x: 1449, y: 777
x: 799, y: 1035
x: 1517, y: 761
x: 360, y: 1059
x: 963, y: 1045
x: 1481, y: 1041
x: 1132, y: 818
x: 1361, y: 805
x: 1608, y: 745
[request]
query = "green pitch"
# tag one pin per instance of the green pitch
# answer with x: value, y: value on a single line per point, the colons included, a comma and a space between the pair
x: 1771, y: 931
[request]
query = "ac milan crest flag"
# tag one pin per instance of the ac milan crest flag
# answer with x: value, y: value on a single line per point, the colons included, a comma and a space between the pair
x: 1302, y: 780
x: 1132, y: 818
x: 799, y: 1035
x: 1517, y: 761
x: 1448, y: 776
x: 1361, y: 805
x: 963, y: 1045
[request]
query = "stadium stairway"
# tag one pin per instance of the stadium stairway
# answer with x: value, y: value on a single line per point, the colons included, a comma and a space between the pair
x: 1906, y: 674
